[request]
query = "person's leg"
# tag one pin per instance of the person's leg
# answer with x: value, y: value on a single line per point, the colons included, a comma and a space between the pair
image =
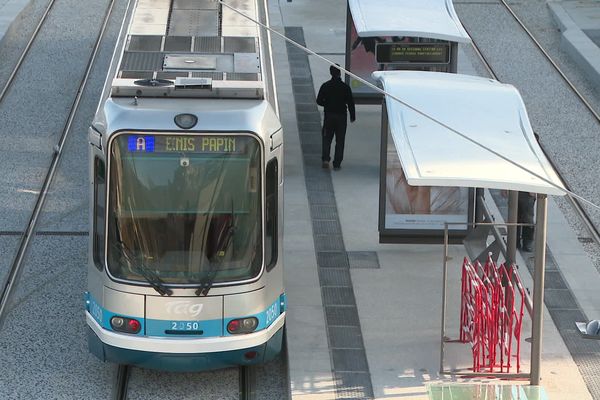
x: 340, y: 139
x: 528, y: 231
x: 327, y: 137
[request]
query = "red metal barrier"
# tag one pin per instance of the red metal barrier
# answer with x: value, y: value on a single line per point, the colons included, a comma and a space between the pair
x: 491, y: 315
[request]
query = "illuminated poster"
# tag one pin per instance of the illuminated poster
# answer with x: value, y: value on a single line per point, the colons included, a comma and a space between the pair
x: 420, y: 208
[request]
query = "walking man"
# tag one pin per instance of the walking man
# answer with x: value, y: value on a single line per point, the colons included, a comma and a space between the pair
x: 336, y: 98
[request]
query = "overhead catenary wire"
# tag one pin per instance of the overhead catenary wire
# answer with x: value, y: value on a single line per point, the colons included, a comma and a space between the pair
x: 415, y: 109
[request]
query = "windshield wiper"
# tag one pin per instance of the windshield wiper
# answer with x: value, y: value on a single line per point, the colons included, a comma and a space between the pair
x: 153, y: 279
x: 150, y: 276
x: 223, y: 243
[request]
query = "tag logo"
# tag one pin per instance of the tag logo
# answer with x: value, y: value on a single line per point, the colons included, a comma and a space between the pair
x: 184, y: 307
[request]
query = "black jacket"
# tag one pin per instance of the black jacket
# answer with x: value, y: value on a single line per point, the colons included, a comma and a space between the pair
x: 334, y: 95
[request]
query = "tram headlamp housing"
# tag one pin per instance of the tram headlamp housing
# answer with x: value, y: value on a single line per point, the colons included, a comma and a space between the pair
x: 126, y: 325
x: 242, y: 325
x: 186, y: 121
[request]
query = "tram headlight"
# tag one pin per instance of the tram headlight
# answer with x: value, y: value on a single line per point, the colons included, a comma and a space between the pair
x: 242, y: 325
x: 127, y: 325
x: 186, y: 121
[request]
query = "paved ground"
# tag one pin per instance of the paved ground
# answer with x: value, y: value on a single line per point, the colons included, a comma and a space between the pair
x: 385, y: 310
x: 398, y: 302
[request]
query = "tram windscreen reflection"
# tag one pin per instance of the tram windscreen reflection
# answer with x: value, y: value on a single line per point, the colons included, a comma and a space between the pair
x: 185, y: 208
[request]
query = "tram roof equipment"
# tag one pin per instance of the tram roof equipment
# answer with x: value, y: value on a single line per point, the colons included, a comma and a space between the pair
x: 191, y: 48
x: 487, y: 111
x: 434, y: 19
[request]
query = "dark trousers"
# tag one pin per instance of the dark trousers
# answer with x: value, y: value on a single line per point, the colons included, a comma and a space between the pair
x: 334, y: 125
x: 525, y: 212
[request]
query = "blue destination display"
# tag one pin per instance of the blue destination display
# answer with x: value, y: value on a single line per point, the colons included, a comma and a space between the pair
x: 144, y: 144
x: 190, y: 144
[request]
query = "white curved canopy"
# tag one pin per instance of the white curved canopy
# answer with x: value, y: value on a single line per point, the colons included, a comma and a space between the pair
x: 434, y: 19
x: 487, y: 111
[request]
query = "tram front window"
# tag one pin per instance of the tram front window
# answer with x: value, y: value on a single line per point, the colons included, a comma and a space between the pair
x: 184, y: 208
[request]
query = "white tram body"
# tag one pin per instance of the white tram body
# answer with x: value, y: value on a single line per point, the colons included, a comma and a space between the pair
x: 186, y: 150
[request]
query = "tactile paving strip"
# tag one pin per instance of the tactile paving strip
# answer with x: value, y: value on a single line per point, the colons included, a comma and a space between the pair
x: 350, y: 366
x: 565, y: 311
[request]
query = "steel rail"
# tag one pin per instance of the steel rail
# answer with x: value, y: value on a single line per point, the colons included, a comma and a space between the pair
x: 13, y: 74
x: 554, y: 64
x: 122, y: 382
x: 579, y: 210
x: 247, y: 382
x: 592, y: 229
x: 16, y: 266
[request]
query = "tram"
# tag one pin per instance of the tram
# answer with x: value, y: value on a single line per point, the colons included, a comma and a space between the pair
x: 186, y: 152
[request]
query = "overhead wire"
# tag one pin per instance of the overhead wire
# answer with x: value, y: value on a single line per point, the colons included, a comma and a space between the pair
x: 405, y: 104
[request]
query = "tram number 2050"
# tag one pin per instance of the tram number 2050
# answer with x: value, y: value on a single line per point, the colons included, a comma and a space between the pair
x: 184, y: 326
x: 271, y: 313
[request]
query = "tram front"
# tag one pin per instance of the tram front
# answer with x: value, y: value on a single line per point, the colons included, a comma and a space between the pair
x: 184, y: 272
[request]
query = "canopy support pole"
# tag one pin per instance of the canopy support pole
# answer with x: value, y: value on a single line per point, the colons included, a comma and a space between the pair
x: 513, y: 199
x: 538, y: 287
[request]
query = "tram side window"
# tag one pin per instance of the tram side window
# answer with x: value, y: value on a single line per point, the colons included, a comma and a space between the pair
x: 271, y: 201
x: 99, y: 211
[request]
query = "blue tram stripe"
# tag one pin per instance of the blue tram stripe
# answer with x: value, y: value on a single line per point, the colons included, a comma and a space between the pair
x: 209, y: 328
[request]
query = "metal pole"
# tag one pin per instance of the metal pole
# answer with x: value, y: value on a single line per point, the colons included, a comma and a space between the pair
x: 479, y: 194
x: 513, y: 201
x: 538, y: 288
x: 444, y: 279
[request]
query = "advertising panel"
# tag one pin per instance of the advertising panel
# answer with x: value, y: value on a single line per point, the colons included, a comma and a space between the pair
x: 418, y: 213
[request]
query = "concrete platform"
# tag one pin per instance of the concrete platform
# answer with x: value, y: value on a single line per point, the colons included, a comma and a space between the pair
x: 579, y: 22
x: 9, y: 11
x: 337, y: 271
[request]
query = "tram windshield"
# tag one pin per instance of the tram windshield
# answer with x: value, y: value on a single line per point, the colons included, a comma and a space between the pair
x: 184, y: 209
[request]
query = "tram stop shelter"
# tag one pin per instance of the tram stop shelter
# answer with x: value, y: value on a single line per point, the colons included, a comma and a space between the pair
x: 451, y: 130
x: 401, y: 34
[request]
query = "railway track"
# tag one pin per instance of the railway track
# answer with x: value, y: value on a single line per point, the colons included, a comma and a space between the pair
x: 576, y: 204
x: 247, y: 383
x: 25, y: 51
x: 16, y: 266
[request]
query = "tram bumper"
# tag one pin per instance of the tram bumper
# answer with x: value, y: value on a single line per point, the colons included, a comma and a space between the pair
x: 183, y: 354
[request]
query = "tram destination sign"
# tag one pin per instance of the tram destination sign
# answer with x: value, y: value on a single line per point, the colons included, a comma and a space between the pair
x: 413, y: 53
x: 188, y: 144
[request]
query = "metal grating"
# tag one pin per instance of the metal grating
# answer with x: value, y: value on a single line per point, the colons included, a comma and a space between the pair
x: 178, y: 43
x: 171, y: 75
x: 341, y: 316
x: 554, y: 280
x: 363, y: 259
x: 329, y: 243
x: 142, y: 61
x: 560, y: 299
x: 195, y: 5
x: 144, y: 43
x: 193, y: 23
x: 207, y: 44
x: 345, y: 337
x: 321, y: 185
x: 353, y: 385
x: 240, y: 45
x: 321, y: 197
x: 579, y: 345
x: 326, y: 227
x: 215, y: 76
x: 242, y: 76
x: 332, y: 259
x: 335, y: 277
x: 338, y: 296
x: 313, y: 148
x: 136, y: 74
x: 348, y: 360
